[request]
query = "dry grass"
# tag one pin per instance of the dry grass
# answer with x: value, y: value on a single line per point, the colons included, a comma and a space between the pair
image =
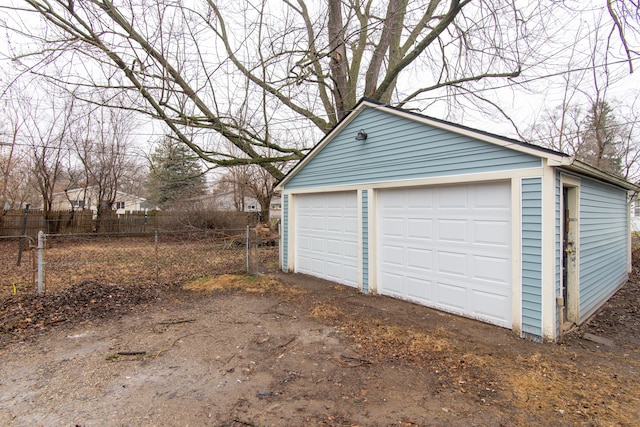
x: 236, y: 282
x: 327, y: 312
x: 385, y: 341
x: 13, y: 277
x: 555, y: 384
x: 123, y: 261
x: 581, y: 392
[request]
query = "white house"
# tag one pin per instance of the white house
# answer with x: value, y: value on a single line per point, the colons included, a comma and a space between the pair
x: 86, y: 198
x: 635, y: 214
x: 226, y: 201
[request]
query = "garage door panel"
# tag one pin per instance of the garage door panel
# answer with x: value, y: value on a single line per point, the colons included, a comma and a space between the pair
x: 350, y: 251
x: 419, y: 228
x: 490, y: 305
x: 421, y: 259
x: 395, y: 201
x: 317, y: 224
x: 306, y: 262
x: 317, y: 244
x: 452, y: 263
x: 350, y: 225
x: 490, y: 196
x: 333, y: 267
x: 305, y: 243
x: 491, y: 232
x: 335, y: 224
x: 454, y: 198
x: 393, y: 227
x: 491, y: 269
x: 326, y: 236
x: 462, y: 262
x: 449, y: 295
x: 333, y: 247
x: 420, y: 289
x: 393, y: 255
x: 421, y: 198
x: 395, y: 283
x: 452, y: 230
x: 349, y: 271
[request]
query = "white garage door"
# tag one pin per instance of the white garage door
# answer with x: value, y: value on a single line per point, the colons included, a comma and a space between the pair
x: 327, y: 237
x: 449, y: 247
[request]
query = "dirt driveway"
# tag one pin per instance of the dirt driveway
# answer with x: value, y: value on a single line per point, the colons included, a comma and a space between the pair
x: 293, y: 350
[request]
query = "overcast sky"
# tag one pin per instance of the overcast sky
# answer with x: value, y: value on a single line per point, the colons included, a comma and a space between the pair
x: 574, y: 39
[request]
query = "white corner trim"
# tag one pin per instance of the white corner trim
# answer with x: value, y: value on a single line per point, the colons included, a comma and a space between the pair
x: 548, y: 254
x: 373, y: 241
x: 516, y: 255
x: 359, y: 219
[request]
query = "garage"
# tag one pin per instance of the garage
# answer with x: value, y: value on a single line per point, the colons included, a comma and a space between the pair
x: 327, y: 237
x: 457, y: 219
x: 448, y: 247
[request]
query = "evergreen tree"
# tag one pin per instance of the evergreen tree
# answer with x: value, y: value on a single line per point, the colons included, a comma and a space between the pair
x: 601, y: 140
x: 175, y: 174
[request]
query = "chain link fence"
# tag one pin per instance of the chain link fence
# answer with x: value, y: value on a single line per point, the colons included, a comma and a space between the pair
x: 157, y: 257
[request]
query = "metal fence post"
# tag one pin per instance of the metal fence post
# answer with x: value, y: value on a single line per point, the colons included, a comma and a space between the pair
x: 248, y: 248
x: 41, y: 245
x: 280, y: 246
x: 155, y: 244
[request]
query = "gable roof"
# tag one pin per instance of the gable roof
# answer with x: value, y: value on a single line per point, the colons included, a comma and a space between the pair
x: 554, y: 158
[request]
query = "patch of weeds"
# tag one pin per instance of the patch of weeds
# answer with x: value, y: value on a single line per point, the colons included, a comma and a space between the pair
x: 246, y: 283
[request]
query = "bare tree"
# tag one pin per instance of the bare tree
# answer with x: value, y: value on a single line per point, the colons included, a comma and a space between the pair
x: 11, y: 127
x: 630, y: 140
x: 102, y: 146
x: 47, y: 127
x: 305, y: 62
x: 261, y: 185
x: 234, y: 180
x: 625, y: 16
x: 249, y: 181
x: 16, y: 173
x: 603, y: 134
x: 589, y: 123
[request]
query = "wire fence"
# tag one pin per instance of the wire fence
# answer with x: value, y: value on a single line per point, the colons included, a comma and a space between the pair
x: 157, y: 257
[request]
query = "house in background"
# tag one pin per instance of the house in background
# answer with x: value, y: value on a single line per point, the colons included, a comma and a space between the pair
x: 635, y: 214
x: 275, y: 208
x: 229, y: 201
x: 87, y: 198
x: 226, y: 201
x: 400, y: 204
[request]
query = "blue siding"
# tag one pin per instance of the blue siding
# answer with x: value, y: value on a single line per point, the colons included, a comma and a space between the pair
x: 399, y: 148
x: 285, y: 233
x: 532, y: 258
x: 365, y: 241
x: 603, y: 246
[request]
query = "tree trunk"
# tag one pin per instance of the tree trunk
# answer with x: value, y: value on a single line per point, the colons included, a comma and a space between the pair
x: 338, y: 61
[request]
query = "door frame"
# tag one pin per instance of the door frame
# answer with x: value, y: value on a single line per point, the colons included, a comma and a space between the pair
x: 570, y: 249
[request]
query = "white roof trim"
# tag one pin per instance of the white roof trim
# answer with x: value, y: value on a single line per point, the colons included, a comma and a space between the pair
x: 585, y: 169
